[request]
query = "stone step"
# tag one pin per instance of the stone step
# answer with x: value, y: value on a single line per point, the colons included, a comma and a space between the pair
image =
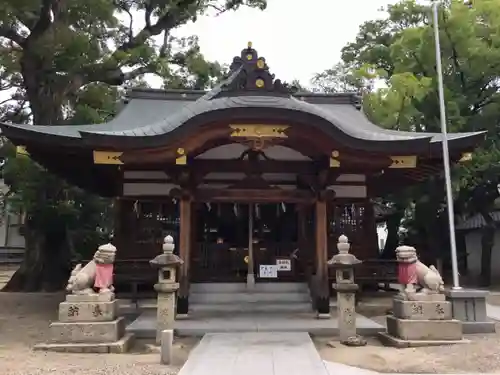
x: 5, y: 278
x: 230, y: 298
x: 198, y: 324
x: 242, y: 287
x: 296, y: 307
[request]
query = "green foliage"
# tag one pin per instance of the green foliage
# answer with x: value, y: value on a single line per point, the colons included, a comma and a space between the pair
x: 63, y: 62
x: 400, y: 51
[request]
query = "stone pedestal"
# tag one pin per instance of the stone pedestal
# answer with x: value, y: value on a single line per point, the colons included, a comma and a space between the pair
x: 346, y: 289
x: 88, y: 324
x: 165, y: 312
x: 167, y: 264
x: 425, y: 322
x: 346, y: 301
x: 469, y: 306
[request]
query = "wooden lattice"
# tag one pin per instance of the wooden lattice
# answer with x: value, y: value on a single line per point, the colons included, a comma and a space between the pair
x: 350, y: 220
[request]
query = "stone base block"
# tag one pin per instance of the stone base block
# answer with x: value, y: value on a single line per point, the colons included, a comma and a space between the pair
x: 440, y: 330
x: 324, y: 316
x: 88, y: 311
x: 96, y: 297
x: 121, y: 346
x: 421, y: 296
x: 87, y: 332
x: 421, y: 310
x: 396, y: 342
x: 469, y: 306
x: 478, y: 327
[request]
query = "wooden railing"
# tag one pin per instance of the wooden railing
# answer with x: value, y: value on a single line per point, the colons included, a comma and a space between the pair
x: 373, y: 272
x: 132, y: 277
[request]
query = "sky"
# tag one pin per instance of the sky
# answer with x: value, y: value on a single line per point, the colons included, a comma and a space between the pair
x: 298, y: 38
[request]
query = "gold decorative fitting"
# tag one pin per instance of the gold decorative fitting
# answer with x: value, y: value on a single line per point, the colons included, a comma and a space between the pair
x: 334, y: 163
x: 181, y: 157
x: 261, y: 64
x: 258, y: 144
x: 259, y: 83
x: 249, y: 45
x: 259, y: 131
x: 249, y: 56
x: 466, y: 156
x: 400, y: 162
x: 108, y: 157
x: 21, y: 150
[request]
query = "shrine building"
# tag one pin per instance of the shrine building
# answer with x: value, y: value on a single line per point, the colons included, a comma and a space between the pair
x: 255, y: 181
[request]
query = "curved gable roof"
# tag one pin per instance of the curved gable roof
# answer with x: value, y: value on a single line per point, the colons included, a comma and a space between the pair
x: 250, y: 93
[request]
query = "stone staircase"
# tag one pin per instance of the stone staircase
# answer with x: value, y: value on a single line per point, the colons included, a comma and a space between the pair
x: 236, y: 298
x: 6, y: 272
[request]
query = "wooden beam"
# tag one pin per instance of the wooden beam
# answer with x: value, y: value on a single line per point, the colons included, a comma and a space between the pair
x: 252, y: 195
x: 184, y: 254
x: 244, y: 166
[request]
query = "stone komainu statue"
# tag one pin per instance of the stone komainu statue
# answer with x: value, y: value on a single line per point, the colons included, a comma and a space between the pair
x: 98, y: 273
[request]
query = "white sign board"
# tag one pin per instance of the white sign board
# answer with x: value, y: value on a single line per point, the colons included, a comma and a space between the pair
x: 268, y: 271
x: 284, y: 264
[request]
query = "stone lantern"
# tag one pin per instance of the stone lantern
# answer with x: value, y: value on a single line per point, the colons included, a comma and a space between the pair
x: 346, y: 288
x: 167, y: 265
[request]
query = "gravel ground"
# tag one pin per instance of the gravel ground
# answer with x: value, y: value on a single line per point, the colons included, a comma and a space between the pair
x: 24, y: 321
x: 480, y: 356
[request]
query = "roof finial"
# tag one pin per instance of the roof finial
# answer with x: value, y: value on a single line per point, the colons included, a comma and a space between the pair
x: 249, y: 45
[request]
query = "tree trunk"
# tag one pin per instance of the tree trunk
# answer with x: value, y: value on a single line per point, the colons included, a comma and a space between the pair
x: 487, y: 243
x: 46, y: 260
x: 45, y: 266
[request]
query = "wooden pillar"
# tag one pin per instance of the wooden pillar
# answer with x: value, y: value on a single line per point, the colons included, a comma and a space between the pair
x: 322, y: 291
x: 184, y: 254
x: 370, y: 245
x: 303, y: 243
x: 250, y: 265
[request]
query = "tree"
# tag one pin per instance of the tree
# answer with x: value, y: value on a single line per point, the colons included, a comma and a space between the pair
x: 400, y: 50
x: 61, y: 62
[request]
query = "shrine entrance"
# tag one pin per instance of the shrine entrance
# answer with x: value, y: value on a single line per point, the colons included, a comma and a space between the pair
x: 234, y: 240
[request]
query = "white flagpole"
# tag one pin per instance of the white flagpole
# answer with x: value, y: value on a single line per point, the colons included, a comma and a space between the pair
x: 446, y: 154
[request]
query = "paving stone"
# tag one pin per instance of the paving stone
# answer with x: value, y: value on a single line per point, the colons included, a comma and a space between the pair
x: 250, y: 353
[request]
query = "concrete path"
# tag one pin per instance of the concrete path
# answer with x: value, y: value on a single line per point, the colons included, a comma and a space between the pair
x: 340, y: 369
x: 265, y: 353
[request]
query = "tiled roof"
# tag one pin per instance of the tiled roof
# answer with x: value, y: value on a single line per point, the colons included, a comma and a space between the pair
x: 476, y: 221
